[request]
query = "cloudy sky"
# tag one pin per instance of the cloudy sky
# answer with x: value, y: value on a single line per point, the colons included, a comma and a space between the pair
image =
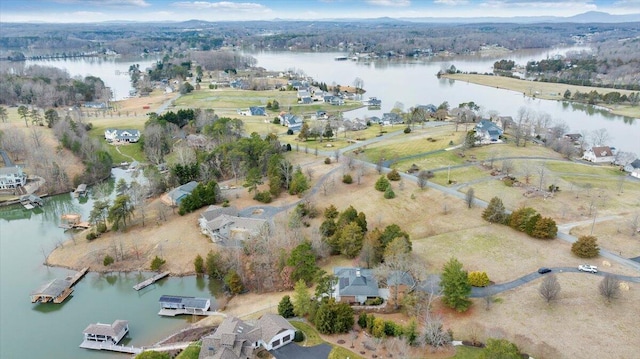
x: 178, y: 10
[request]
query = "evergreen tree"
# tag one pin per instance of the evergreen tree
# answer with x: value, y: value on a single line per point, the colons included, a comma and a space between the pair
x: 285, y: 307
x: 500, y: 349
x: 198, y: 264
x: 586, y: 247
x: 455, y: 286
x: 301, y: 299
x: 299, y: 182
x: 305, y: 131
x: 495, y: 211
x: 303, y: 261
x: 233, y: 281
x: 382, y: 184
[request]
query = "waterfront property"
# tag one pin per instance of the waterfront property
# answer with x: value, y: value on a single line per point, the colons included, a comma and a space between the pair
x: 602, y: 154
x: 81, y: 190
x: 12, y: 177
x: 488, y: 131
x: 31, y: 201
x: 112, y: 333
x: 176, y: 195
x: 237, y: 339
x: 223, y: 226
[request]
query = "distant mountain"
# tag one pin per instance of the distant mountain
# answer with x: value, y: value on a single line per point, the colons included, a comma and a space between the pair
x: 587, y: 17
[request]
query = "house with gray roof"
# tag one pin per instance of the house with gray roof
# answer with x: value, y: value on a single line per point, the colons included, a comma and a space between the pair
x: 634, y: 165
x: 117, y: 135
x: 488, y: 131
x: 233, y: 230
x: 354, y: 285
x: 292, y: 121
x: 176, y: 195
x: 238, y: 339
x: 112, y: 333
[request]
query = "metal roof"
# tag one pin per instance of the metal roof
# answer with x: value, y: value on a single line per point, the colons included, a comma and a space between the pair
x: 53, y: 288
x: 188, y: 302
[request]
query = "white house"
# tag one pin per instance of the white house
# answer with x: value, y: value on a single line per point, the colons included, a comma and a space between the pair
x: 636, y: 173
x: 599, y: 155
x: 116, y: 135
x: 12, y: 177
x: 111, y: 333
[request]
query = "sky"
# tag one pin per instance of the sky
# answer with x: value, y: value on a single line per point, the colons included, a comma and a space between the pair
x: 83, y: 11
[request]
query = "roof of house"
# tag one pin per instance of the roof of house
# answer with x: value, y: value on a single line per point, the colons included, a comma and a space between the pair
x: 214, y: 211
x: 179, y: 192
x: 603, y: 151
x: 189, y: 302
x: 489, y: 127
x: 111, y: 330
x: 635, y: 163
x: 250, y: 224
x: 257, y: 111
x: 356, y: 281
x: 10, y: 170
x: 272, y: 324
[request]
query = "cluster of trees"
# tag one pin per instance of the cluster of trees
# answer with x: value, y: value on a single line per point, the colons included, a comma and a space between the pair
x: 524, y: 219
x: 307, y: 132
x: 180, y: 118
x: 383, y: 185
x: 504, y: 65
x: 344, y: 232
x: 49, y: 87
x: 594, y: 98
x: 202, y: 195
x: 380, y: 328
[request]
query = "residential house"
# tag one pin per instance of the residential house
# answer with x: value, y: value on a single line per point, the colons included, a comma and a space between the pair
x: 237, y: 339
x: 233, y: 230
x: 636, y: 173
x: 573, y: 137
x: 12, y: 177
x: 632, y: 166
x: 336, y: 101
x: 111, y: 333
x: 354, y: 285
x: 95, y: 105
x: 373, y: 102
x: 292, y: 121
x: 430, y: 108
x: 391, y: 118
x: 327, y: 98
x: 488, y: 131
x: 355, y: 124
x: 176, y: 195
x: 401, y: 281
x: 117, y: 135
x: 258, y: 111
x: 601, y: 154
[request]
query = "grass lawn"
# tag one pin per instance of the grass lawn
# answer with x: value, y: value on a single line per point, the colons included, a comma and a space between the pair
x: 463, y: 352
x: 312, y: 337
x: 433, y: 161
x: 544, y: 90
x: 419, y: 141
x: 460, y: 175
x: 579, y: 168
x: 191, y: 352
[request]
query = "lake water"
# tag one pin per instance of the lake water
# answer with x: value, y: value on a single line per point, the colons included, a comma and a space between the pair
x: 414, y: 82
x: 112, y: 70
x: 55, y: 330
x: 37, y: 330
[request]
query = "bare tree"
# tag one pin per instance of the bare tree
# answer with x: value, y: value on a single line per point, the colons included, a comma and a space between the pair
x: 541, y: 172
x: 600, y: 137
x: 36, y: 136
x: 634, y: 224
x: 379, y: 164
x: 310, y: 172
x: 336, y: 154
x: 184, y: 155
x: 469, y: 197
x: 360, y: 171
x: 423, y: 179
x: 549, y: 288
x: 609, y: 287
x: 327, y: 185
x: 507, y: 167
x: 526, y: 173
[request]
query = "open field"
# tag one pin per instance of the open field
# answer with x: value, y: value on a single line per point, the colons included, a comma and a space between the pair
x: 544, y: 90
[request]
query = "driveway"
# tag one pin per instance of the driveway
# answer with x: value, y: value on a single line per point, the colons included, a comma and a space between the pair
x: 294, y: 351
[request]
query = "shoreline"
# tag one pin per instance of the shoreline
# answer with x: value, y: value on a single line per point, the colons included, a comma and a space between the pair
x: 547, y: 90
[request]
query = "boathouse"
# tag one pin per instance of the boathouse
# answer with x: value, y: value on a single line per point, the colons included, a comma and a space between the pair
x: 56, y: 290
x: 112, y: 333
x: 190, y: 304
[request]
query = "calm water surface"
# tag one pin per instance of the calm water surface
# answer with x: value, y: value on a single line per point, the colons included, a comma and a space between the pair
x: 55, y: 330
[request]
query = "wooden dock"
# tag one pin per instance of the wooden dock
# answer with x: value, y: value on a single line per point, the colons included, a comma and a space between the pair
x: 57, y: 290
x: 150, y: 281
x: 94, y: 345
x: 76, y: 277
x: 173, y: 312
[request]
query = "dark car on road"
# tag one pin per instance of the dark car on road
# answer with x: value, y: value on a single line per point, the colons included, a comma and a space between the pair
x: 544, y: 270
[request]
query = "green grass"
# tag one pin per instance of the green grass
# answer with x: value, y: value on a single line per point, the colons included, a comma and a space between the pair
x: 411, y: 145
x: 460, y: 175
x: 433, y: 161
x: 463, y: 352
x: 570, y: 167
x: 312, y: 338
x: 191, y: 352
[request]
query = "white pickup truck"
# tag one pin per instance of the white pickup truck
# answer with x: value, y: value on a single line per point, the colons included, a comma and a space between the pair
x: 587, y: 268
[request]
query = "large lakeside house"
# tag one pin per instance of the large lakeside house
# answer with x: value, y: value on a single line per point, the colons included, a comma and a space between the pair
x: 12, y: 177
x: 224, y: 226
x: 121, y: 136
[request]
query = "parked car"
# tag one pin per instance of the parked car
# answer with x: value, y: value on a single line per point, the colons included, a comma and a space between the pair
x: 588, y: 268
x: 544, y: 270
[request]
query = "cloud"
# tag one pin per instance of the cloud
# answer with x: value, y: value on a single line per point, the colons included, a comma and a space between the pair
x: 451, y: 2
x: 541, y: 4
x: 86, y: 14
x: 222, y: 5
x: 389, y: 2
x: 136, y: 3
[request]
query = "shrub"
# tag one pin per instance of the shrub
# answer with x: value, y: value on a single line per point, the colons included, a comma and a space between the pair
x: 545, y: 228
x: 478, y: 279
x: 407, y: 129
x: 233, y: 281
x: 347, y: 179
x: 382, y: 184
x: 91, y: 236
x: 289, y: 132
x: 198, y: 264
x: 264, y: 197
x: 108, y: 260
x: 586, y: 247
x: 389, y: 194
x: 372, y: 301
x: 101, y: 227
x: 327, y: 161
x: 362, y: 320
x: 393, y: 175
x: 157, y: 263
x: 285, y: 307
x: 298, y: 336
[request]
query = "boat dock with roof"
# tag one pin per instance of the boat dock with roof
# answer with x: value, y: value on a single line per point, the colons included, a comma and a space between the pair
x: 172, y: 305
x: 57, y: 290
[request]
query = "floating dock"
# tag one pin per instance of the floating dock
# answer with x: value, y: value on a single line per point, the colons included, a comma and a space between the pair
x: 150, y: 281
x: 31, y: 201
x: 57, y: 290
x: 73, y: 221
x: 90, y: 344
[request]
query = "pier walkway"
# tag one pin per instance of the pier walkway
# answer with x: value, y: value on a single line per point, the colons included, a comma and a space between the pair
x: 150, y: 281
x: 173, y: 312
x: 94, y: 345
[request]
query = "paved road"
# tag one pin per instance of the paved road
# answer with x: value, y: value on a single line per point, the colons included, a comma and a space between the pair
x: 432, y: 284
x: 295, y: 351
